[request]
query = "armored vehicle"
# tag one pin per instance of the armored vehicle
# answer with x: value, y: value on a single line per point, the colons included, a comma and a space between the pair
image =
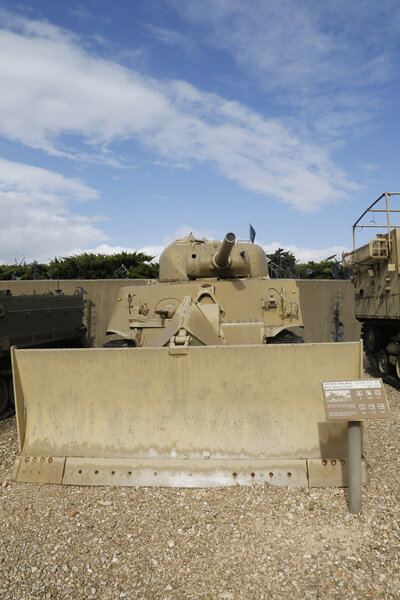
x: 203, y: 383
x: 32, y: 321
x: 208, y: 294
x: 375, y: 274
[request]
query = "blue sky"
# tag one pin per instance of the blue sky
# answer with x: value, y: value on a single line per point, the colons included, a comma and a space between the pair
x: 125, y: 124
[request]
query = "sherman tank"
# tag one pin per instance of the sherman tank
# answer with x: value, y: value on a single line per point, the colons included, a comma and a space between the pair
x: 203, y: 383
x: 208, y: 293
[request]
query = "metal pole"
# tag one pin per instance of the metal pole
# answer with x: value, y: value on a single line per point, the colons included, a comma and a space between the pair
x: 355, y: 481
x: 388, y: 224
x: 388, y: 213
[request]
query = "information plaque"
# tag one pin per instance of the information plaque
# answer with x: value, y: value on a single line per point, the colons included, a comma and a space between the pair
x: 355, y: 400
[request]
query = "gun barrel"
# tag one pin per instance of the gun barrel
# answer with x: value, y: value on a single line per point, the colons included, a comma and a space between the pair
x: 222, y: 256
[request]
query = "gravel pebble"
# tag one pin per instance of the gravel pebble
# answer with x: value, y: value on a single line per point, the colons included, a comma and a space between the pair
x: 209, y: 544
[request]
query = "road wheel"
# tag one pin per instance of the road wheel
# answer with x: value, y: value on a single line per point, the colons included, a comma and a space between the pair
x: 383, y: 362
x: 120, y: 344
x: 372, y: 337
x: 11, y: 401
x: 3, y: 395
x: 398, y: 367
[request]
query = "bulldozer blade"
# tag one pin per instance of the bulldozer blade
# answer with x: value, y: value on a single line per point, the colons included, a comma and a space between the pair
x: 217, y: 415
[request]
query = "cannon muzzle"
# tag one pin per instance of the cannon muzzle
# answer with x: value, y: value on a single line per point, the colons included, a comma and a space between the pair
x: 221, y: 258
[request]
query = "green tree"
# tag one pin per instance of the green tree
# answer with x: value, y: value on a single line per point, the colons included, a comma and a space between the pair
x: 133, y: 265
x: 325, y: 269
x: 282, y: 263
x: 24, y: 271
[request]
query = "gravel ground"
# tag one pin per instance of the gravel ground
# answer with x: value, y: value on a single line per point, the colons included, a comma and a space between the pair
x: 100, y: 543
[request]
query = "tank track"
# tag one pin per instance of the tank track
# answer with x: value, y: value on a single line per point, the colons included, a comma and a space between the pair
x: 388, y: 379
x: 372, y: 357
x: 286, y: 337
x: 119, y: 344
x: 7, y: 408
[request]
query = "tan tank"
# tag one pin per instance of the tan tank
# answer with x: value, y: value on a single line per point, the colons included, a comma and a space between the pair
x: 195, y: 388
x: 209, y: 293
x: 375, y: 274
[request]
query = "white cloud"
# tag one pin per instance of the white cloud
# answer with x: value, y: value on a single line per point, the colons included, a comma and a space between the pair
x: 320, y: 57
x: 303, y: 255
x: 39, y: 222
x: 80, y: 12
x: 293, y: 47
x: 185, y: 230
x: 155, y: 251
x: 370, y: 167
x: 166, y: 36
x: 21, y: 177
x: 52, y: 86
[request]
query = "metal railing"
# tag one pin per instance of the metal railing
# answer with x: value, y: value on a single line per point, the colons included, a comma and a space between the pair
x: 373, y: 210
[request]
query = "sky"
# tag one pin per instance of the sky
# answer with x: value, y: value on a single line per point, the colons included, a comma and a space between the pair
x: 126, y: 124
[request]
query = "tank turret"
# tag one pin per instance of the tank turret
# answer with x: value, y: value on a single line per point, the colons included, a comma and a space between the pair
x: 191, y: 258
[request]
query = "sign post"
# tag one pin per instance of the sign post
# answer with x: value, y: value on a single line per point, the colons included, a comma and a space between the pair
x: 354, y: 461
x: 355, y: 401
